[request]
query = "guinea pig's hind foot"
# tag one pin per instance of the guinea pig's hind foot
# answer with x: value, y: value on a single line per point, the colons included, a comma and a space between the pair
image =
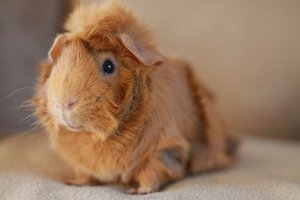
x: 210, y: 160
x: 82, y: 181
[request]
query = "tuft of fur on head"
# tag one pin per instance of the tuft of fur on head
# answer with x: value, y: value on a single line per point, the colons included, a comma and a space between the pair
x: 113, y: 17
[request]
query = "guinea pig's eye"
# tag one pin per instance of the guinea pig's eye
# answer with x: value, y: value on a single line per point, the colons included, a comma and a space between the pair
x: 108, y: 67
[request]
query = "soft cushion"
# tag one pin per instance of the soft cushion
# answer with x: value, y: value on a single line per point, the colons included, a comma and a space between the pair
x: 265, y: 169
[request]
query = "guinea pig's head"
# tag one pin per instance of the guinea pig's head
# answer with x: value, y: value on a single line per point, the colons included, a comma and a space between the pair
x: 96, y: 76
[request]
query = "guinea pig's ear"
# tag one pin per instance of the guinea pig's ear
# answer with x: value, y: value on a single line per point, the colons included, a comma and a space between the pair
x: 56, y: 48
x: 148, y: 57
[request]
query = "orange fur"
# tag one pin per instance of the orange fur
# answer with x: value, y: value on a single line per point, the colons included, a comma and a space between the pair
x: 144, y: 125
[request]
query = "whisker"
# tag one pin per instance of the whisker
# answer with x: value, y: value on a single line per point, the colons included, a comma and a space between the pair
x: 28, y: 117
x: 23, y: 108
x: 17, y: 90
x: 34, y: 127
x: 25, y: 104
x: 36, y: 124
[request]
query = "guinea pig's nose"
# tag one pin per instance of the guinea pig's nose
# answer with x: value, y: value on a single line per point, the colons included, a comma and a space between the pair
x: 70, y: 104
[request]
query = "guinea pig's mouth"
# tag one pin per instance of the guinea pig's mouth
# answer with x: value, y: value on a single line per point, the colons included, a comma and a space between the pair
x: 70, y: 124
x: 72, y: 127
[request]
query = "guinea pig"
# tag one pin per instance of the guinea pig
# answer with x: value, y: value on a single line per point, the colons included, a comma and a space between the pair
x: 119, y: 111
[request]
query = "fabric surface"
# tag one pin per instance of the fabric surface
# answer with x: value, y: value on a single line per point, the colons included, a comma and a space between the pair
x: 266, y: 169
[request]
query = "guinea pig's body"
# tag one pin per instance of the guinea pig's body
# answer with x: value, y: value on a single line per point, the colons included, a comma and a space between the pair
x: 142, y: 119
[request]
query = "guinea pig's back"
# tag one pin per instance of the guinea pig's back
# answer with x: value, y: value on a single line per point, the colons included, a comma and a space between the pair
x: 174, y: 101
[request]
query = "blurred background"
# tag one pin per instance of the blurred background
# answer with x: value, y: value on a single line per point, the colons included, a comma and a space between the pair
x: 246, y: 51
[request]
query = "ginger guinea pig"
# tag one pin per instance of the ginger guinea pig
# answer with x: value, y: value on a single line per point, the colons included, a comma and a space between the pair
x: 119, y: 111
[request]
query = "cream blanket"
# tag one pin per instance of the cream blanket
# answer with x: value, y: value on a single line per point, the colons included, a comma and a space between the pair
x: 266, y: 169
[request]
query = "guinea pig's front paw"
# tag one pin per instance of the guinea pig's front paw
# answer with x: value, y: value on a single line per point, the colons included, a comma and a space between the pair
x: 140, y: 190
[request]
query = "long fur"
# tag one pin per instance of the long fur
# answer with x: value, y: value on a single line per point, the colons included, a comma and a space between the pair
x: 144, y: 126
